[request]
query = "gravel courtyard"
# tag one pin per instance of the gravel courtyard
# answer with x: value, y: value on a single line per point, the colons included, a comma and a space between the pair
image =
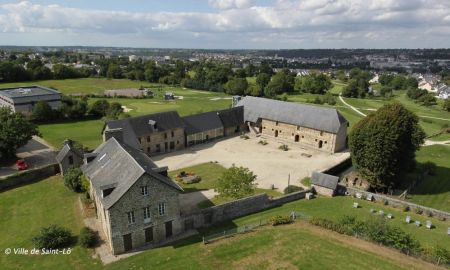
x: 270, y: 164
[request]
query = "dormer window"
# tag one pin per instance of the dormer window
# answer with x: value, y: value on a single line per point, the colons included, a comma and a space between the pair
x: 106, y: 192
x: 144, y: 190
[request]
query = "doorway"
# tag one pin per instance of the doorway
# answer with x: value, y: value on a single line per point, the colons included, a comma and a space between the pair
x: 297, y: 138
x: 168, y: 228
x: 148, y: 234
x: 276, y: 133
x: 320, y: 144
x: 127, y: 242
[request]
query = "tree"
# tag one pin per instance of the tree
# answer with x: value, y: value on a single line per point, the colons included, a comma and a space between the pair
x: 262, y: 80
x: 236, y: 182
x: 99, y: 107
x: 236, y: 86
x: 15, y: 131
x: 281, y: 83
x: 446, y: 105
x: 383, y: 144
x: 315, y: 84
x: 42, y: 111
x: 114, y: 71
x: 73, y: 180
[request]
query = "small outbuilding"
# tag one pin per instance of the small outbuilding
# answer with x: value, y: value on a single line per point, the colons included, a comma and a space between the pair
x: 324, y: 184
x: 69, y: 157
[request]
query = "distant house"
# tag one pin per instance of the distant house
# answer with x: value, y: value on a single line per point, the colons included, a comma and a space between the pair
x: 443, y: 91
x: 311, y: 126
x: 324, y: 184
x: 69, y: 157
x: 136, y: 203
x: 169, y: 96
x: 23, y: 99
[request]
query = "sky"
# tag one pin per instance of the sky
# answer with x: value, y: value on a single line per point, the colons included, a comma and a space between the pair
x: 227, y: 24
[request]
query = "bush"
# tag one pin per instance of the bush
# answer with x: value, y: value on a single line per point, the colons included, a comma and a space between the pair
x: 53, y: 237
x: 283, y: 147
x: 418, y: 211
x: 244, y: 136
x: 280, y: 220
x: 73, y: 180
x: 87, y: 238
x: 306, y: 181
x: 263, y: 142
x: 291, y: 189
x: 405, y: 208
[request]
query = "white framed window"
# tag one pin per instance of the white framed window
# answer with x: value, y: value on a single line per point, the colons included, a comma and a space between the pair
x: 162, y: 209
x: 144, y: 190
x: 146, y: 214
x: 130, y: 216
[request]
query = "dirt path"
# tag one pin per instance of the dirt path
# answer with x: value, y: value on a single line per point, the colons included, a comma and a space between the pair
x: 351, y: 107
x: 429, y: 142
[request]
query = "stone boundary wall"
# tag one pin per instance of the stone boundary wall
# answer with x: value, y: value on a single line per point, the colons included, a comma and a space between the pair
x: 394, y: 202
x: 239, y: 208
x: 336, y: 169
x: 29, y: 176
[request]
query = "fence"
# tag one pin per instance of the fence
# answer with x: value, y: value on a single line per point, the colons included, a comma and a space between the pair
x: 248, y: 227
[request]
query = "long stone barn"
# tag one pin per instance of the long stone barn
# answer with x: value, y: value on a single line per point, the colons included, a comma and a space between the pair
x: 314, y: 127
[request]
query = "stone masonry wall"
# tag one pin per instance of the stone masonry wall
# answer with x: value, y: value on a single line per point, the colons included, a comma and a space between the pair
x: 133, y: 200
x: 312, y: 138
x: 149, y: 142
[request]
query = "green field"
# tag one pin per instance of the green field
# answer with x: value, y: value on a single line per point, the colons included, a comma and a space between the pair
x: 26, y: 209
x: 434, y: 191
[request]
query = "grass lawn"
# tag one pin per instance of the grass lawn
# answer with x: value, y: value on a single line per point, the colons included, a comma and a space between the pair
x: 434, y: 191
x: 209, y: 172
x: 26, y: 209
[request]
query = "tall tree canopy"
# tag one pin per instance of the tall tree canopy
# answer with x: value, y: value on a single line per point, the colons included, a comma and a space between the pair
x: 383, y: 144
x: 236, y: 182
x: 15, y: 131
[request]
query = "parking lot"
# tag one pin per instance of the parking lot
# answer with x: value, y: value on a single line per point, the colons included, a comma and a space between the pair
x: 271, y: 165
x: 36, y: 153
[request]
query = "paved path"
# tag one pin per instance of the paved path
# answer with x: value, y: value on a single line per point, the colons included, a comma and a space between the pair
x: 429, y: 142
x: 351, y: 107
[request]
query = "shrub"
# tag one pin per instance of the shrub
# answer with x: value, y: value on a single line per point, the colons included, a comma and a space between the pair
x: 73, y: 180
x: 87, y: 238
x: 279, y: 220
x: 244, y: 136
x: 283, y: 147
x: 52, y: 237
x: 263, y: 142
x: 418, y: 211
x: 291, y: 189
x: 405, y: 208
x: 306, y: 181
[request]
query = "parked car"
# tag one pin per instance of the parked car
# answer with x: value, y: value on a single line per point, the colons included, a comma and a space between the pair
x: 21, y: 165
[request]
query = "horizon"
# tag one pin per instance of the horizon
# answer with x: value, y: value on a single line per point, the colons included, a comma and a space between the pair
x: 227, y: 24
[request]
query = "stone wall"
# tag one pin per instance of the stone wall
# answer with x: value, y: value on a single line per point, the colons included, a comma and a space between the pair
x: 394, y: 202
x: 29, y: 176
x: 235, y: 209
x: 204, y: 136
x: 323, y: 191
x: 134, y: 201
x: 312, y: 138
x: 164, y: 139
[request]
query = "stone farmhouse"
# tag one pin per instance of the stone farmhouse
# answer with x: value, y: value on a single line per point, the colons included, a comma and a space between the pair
x: 310, y: 126
x: 23, y: 99
x: 136, y: 203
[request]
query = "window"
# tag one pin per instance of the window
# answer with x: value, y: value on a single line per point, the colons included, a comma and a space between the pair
x: 149, y: 149
x: 165, y: 135
x: 130, y: 216
x: 162, y: 209
x: 173, y: 134
x: 276, y: 123
x: 148, y: 138
x: 158, y: 148
x: 71, y: 160
x: 321, y: 133
x: 140, y: 140
x: 146, y: 214
x: 144, y: 190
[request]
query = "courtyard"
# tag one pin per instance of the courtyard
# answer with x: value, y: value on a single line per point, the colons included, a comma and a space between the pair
x: 271, y: 165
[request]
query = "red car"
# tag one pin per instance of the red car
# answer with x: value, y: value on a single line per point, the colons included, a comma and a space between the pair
x: 21, y: 165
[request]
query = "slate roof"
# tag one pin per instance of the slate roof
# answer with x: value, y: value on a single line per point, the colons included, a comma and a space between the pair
x: 324, y: 180
x: 135, y: 127
x: 66, y: 149
x: 315, y: 117
x: 119, y: 165
x: 232, y: 117
x: 202, y: 122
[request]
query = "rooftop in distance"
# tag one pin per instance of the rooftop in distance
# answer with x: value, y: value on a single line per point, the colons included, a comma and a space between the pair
x: 27, y: 91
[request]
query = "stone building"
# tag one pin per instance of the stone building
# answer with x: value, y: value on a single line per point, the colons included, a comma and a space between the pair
x: 23, y: 99
x: 136, y: 203
x: 154, y: 134
x: 311, y: 126
x: 69, y: 157
x: 233, y: 121
x: 324, y: 184
x: 203, y: 127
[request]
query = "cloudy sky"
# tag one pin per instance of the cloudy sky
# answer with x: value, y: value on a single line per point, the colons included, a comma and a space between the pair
x: 228, y: 24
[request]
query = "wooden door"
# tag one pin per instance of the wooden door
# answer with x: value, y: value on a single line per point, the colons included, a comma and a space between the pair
x: 127, y: 242
x: 168, y: 228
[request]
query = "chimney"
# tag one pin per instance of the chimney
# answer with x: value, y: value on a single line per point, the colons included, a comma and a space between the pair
x: 116, y: 133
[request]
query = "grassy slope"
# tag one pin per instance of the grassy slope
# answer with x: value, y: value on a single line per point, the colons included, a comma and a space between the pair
x: 26, y: 209
x: 434, y: 191
x: 209, y: 172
